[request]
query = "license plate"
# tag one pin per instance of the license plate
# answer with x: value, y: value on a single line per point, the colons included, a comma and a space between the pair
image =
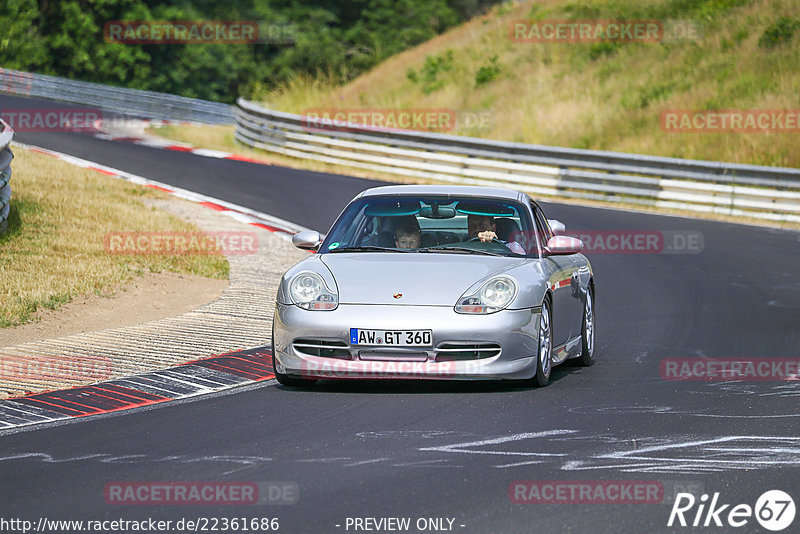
x: 392, y: 338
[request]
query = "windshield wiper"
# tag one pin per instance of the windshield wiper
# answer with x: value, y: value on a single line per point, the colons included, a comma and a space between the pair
x: 460, y: 249
x: 369, y: 248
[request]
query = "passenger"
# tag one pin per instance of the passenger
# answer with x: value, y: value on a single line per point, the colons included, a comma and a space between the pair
x: 483, y: 228
x: 389, y: 226
x: 407, y: 236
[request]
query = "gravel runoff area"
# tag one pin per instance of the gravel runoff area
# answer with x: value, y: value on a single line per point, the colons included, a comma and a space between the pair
x: 240, y: 318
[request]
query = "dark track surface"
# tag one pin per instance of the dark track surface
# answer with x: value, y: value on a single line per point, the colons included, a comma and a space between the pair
x: 448, y: 450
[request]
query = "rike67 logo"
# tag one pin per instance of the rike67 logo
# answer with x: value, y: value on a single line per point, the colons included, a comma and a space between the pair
x: 774, y: 510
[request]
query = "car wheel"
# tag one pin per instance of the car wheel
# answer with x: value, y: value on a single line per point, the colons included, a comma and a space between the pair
x: 291, y: 381
x: 587, y: 331
x: 544, y: 358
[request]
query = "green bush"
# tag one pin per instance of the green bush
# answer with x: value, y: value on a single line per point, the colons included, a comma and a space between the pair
x: 778, y: 32
x: 428, y: 76
x: 487, y: 73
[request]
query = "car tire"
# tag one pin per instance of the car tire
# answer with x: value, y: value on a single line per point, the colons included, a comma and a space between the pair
x: 290, y: 381
x: 544, y: 354
x: 587, y: 330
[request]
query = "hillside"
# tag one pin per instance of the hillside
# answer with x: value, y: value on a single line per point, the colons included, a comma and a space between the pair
x: 607, y: 96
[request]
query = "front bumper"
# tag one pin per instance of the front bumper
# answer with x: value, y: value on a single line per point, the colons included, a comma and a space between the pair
x: 505, y: 343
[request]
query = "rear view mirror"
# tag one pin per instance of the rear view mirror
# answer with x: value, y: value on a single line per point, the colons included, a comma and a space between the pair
x: 437, y: 212
x: 563, y: 245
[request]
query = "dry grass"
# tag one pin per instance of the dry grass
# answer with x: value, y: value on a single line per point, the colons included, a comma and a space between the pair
x: 54, y: 248
x: 585, y: 96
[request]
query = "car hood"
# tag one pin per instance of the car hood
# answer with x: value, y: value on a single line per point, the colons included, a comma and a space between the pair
x: 421, y: 279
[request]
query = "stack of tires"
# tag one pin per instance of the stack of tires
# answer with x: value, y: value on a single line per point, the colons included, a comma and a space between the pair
x: 6, y: 156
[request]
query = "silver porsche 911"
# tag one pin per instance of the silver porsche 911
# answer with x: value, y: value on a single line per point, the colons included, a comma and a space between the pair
x: 435, y: 282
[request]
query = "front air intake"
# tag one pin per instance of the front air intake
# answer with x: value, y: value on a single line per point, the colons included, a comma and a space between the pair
x: 324, y: 348
x: 449, y: 352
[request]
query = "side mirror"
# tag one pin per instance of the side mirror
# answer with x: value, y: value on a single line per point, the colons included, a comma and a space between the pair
x: 307, y: 240
x: 557, y: 226
x: 563, y: 245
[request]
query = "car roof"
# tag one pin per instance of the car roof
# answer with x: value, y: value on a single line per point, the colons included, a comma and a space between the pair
x: 456, y: 190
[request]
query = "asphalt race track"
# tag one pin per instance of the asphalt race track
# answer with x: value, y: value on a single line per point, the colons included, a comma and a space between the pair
x: 442, y: 450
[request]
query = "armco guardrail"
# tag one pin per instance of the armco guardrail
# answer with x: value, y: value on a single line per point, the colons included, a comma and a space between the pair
x: 6, y: 136
x: 703, y: 186
x: 119, y: 100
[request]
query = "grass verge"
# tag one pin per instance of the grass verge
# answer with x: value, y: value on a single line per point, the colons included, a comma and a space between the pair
x: 54, y: 248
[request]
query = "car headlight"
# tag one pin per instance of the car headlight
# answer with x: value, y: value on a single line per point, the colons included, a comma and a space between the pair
x: 309, y: 291
x: 494, y: 295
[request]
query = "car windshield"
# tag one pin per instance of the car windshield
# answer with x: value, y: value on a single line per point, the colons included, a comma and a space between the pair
x: 453, y: 225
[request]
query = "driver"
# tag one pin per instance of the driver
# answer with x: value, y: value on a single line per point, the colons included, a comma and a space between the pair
x: 483, y: 228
